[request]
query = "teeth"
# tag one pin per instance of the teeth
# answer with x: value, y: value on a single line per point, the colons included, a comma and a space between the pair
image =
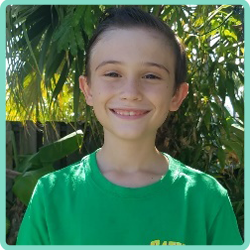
x: 128, y: 113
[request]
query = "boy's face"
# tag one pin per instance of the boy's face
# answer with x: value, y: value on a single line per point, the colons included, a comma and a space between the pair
x: 132, y: 82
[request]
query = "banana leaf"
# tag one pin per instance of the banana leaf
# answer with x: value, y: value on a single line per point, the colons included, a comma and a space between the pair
x: 41, y: 163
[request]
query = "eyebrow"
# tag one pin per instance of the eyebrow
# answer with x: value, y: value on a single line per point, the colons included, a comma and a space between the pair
x: 160, y: 66
x: 108, y: 62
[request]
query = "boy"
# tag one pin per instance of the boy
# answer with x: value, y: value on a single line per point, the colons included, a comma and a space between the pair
x: 127, y: 192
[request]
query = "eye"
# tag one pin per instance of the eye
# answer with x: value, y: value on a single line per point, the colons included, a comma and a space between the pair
x: 112, y: 74
x: 151, y: 76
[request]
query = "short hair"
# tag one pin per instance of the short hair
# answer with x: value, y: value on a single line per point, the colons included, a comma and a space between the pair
x: 132, y: 17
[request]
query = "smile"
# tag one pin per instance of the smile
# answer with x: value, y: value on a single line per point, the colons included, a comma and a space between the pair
x: 129, y: 113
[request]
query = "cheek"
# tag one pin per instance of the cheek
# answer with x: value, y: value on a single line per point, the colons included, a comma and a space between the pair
x: 101, y: 94
x: 161, y: 95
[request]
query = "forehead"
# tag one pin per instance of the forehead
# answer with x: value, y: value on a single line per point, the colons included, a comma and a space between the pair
x: 133, y: 45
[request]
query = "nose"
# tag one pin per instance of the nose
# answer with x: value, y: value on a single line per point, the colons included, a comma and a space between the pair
x: 131, y: 91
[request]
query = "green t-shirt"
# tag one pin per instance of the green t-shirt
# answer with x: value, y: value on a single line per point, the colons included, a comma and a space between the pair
x: 77, y: 205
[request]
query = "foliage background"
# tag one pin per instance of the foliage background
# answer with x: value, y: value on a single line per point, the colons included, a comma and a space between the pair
x: 45, y: 52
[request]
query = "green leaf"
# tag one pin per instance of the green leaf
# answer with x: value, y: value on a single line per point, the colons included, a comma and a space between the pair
x: 166, y: 12
x: 222, y: 157
x: 230, y: 34
x: 207, y: 118
x: 53, y: 63
x: 45, y: 47
x: 31, y: 50
x: 62, y: 79
x: 216, y: 108
x: 197, y: 154
x: 60, y: 148
x: 73, y: 44
x: 238, y: 106
x: 238, y: 128
x: 87, y: 21
x: 7, y: 225
x: 78, y: 14
x: 79, y: 38
x: 25, y: 184
x: 25, y: 163
x: 238, y: 131
x: 222, y: 88
x: 156, y: 10
x: 190, y: 39
x: 235, y: 147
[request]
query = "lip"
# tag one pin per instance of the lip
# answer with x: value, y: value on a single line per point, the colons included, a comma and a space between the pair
x: 130, y: 109
x: 130, y: 117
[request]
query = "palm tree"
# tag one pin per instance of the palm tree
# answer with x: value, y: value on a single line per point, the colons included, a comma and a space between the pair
x: 45, y: 56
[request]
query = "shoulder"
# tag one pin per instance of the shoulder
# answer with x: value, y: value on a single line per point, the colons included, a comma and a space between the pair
x: 198, y: 181
x: 66, y: 177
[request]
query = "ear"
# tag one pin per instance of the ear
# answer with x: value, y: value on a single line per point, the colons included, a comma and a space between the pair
x: 85, y: 88
x: 179, y: 96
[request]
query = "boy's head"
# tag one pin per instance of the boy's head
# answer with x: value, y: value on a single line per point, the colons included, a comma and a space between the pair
x: 135, y: 74
x: 133, y: 17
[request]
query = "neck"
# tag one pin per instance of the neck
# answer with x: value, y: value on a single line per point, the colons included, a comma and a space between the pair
x: 130, y: 156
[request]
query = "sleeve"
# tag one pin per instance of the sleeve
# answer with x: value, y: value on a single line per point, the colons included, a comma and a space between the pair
x: 224, y: 230
x: 33, y: 229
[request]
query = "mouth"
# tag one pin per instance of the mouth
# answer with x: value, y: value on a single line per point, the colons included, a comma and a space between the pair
x: 129, y: 113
